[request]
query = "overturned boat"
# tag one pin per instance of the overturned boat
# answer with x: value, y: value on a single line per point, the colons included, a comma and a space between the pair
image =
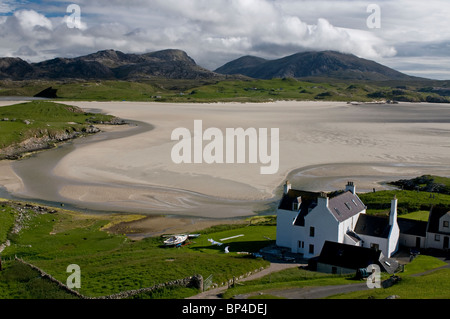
x: 175, y: 240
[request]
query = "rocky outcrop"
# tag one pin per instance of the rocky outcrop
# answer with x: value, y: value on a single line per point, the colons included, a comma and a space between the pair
x: 48, y: 93
x: 47, y: 141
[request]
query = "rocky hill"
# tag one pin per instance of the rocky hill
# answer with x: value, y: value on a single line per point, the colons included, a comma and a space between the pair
x: 108, y: 65
x: 313, y: 64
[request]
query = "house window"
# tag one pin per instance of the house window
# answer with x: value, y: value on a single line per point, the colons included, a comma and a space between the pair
x: 311, y: 231
x: 446, y: 223
x: 301, y: 244
x: 311, y: 249
x: 437, y: 237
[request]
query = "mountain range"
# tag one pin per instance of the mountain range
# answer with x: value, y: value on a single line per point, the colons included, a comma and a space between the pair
x: 176, y: 64
x: 313, y: 64
x: 107, y: 65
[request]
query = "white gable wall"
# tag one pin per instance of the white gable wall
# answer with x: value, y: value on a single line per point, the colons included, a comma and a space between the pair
x: 326, y: 227
x: 370, y: 241
x: 285, y: 220
x: 393, y: 240
x: 347, y: 225
x: 444, y: 227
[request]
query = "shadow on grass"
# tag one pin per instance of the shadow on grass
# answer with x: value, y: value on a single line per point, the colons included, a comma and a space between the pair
x: 234, y: 247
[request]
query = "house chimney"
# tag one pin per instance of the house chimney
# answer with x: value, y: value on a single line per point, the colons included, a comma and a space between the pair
x: 322, y: 200
x: 393, y: 212
x: 287, y: 187
x: 350, y: 187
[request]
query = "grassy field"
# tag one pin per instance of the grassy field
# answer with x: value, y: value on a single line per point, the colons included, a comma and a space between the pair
x: 421, y: 215
x: 7, y: 217
x: 111, y: 263
x: 408, y: 201
x: 203, y: 91
x: 432, y: 285
x: 40, y: 119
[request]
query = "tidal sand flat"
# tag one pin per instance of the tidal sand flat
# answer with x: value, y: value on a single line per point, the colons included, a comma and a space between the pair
x: 321, y: 144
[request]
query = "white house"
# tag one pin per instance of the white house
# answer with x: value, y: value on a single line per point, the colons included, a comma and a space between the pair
x: 438, y: 229
x: 305, y: 220
x: 431, y: 234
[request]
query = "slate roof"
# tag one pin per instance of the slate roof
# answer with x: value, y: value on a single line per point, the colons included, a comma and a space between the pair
x: 348, y: 256
x: 412, y: 227
x: 345, y: 206
x: 342, y: 206
x: 375, y: 226
x: 354, y: 257
x: 289, y: 198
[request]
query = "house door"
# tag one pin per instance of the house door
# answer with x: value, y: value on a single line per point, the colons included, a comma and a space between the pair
x: 417, y: 242
x: 445, y: 242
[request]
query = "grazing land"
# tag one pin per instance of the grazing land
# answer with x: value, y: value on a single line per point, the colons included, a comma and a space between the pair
x: 112, y: 263
x: 38, y: 125
x: 232, y: 90
x: 408, y: 201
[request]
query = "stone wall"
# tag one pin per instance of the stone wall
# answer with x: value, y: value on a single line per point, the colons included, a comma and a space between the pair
x: 193, y: 281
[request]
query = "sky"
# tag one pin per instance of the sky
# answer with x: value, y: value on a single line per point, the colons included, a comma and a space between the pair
x: 411, y: 36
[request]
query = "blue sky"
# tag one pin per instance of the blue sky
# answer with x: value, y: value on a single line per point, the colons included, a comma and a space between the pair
x: 414, y: 36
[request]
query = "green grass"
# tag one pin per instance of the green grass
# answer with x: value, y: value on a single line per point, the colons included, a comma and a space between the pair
x: 286, y: 279
x: 7, y: 218
x: 167, y: 90
x: 423, y: 263
x: 435, y: 285
x: 18, y: 281
x: 112, y: 263
x: 408, y: 201
x: 409, y: 287
x: 45, y: 119
x: 431, y: 285
x: 422, y: 215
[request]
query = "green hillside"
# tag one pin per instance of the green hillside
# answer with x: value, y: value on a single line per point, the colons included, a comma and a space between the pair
x: 48, y: 121
x: 232, y: 90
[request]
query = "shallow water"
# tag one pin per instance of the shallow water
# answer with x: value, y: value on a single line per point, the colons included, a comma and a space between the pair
x: 42, y: 185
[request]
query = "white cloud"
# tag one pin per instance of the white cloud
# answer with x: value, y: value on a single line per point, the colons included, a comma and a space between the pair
x: 30, y: 20
x: 214, y: 32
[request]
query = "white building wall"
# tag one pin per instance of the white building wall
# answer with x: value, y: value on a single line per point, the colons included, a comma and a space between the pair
x: 346, y: 226
x: 410, y: 241
x: 433, y: 242
x: 368, y: 241
x: 445, y: 218
x: 392, y: 244
x: 285, y: 220
x: 325, y: 228
x: 298, y: 240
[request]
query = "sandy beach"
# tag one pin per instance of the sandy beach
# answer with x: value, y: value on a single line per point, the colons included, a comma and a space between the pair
x: 321, y: 146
